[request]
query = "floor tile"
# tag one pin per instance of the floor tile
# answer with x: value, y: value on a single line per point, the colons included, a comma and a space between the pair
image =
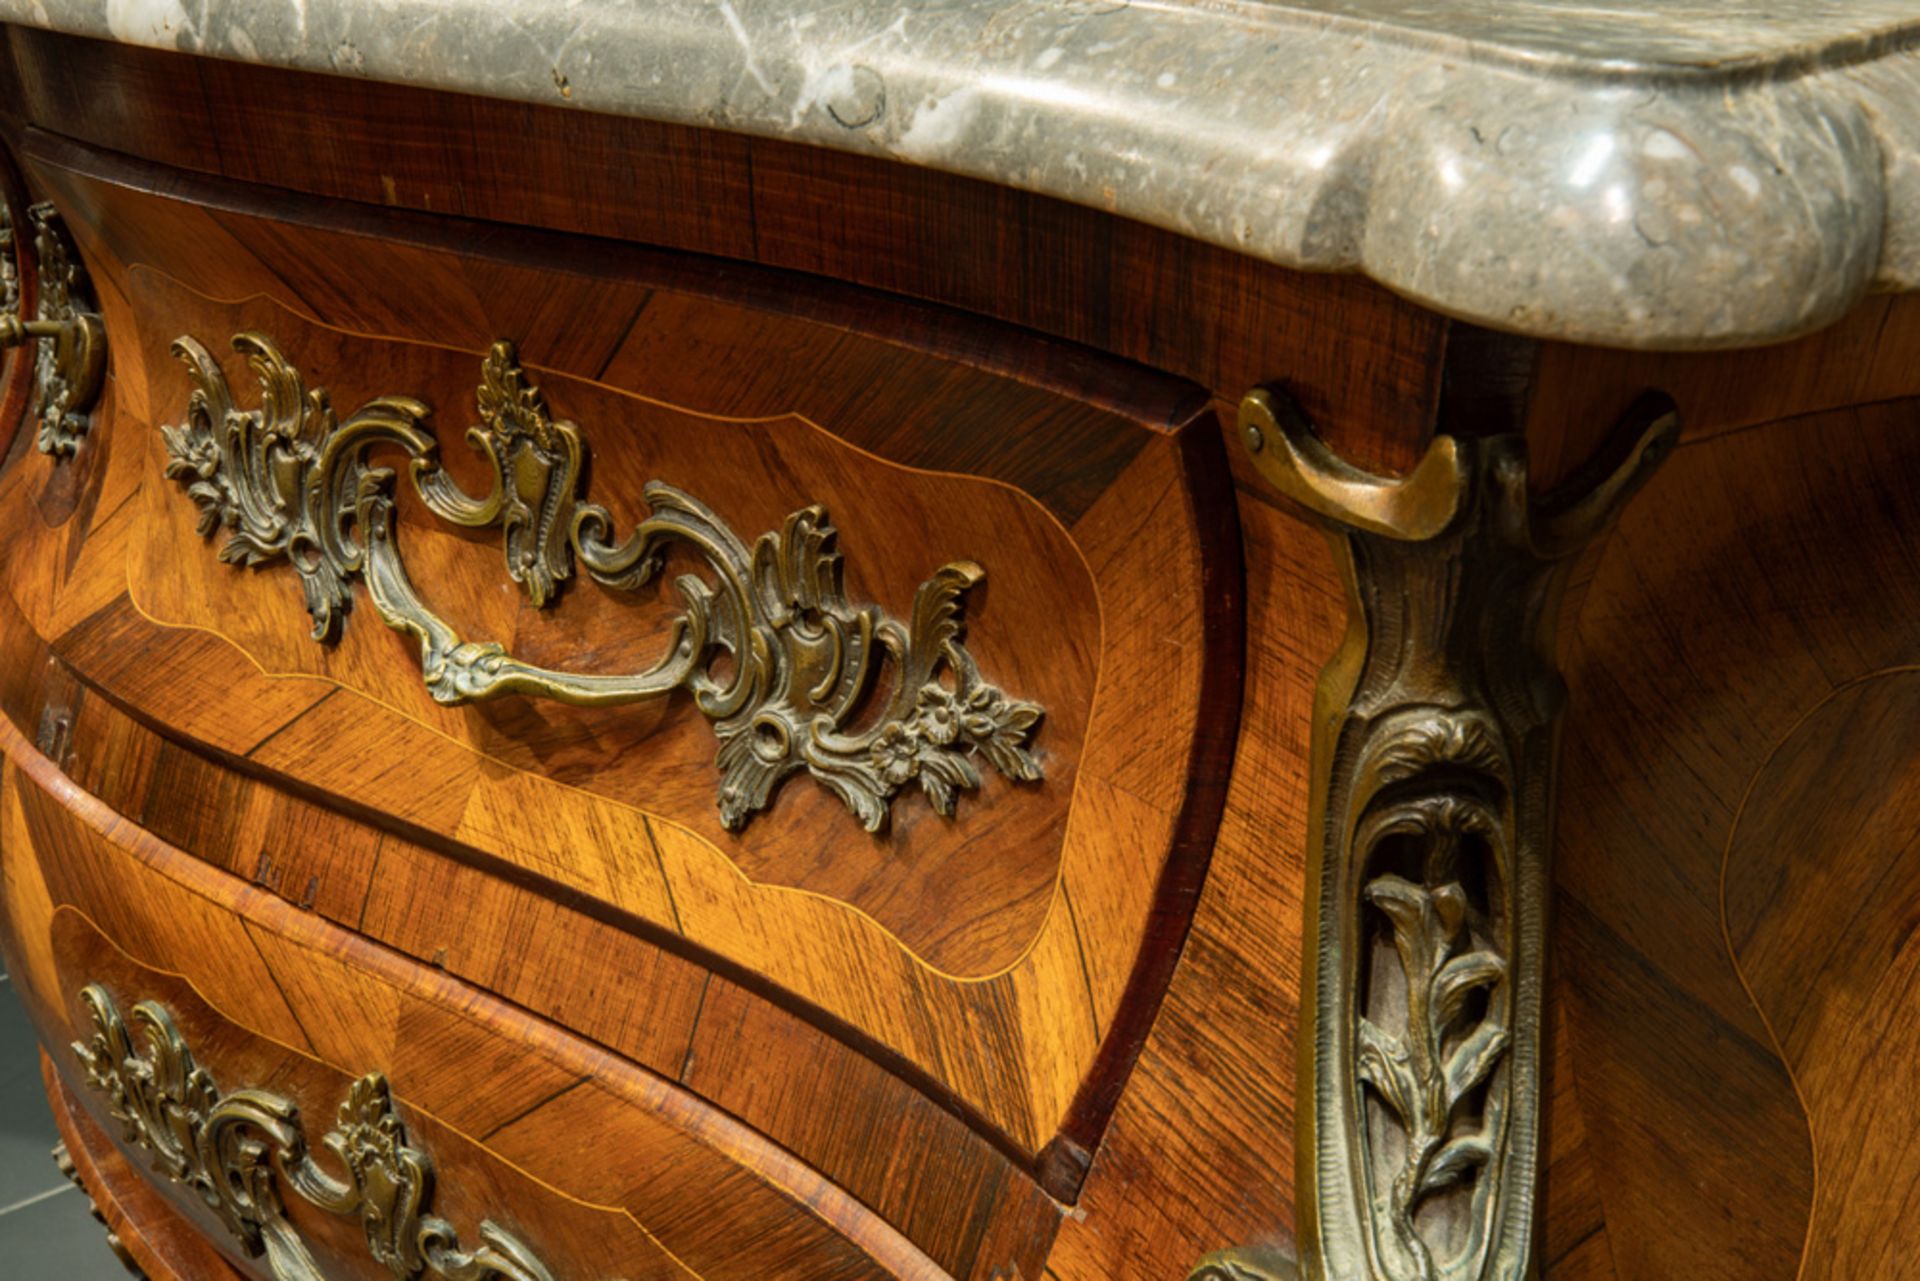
x: 57, y: 1240
x: 26, y: 1126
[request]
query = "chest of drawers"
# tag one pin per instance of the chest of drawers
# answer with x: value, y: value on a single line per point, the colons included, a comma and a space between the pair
x: 736, y: 650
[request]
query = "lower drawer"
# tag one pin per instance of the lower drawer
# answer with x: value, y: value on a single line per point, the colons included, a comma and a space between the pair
x: 320, y: 1107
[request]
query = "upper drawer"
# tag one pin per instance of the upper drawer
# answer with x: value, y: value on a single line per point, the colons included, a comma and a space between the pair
x: 918, y: 712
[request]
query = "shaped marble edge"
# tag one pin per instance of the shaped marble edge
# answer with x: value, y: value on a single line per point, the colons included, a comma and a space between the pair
x: 1632, y: 174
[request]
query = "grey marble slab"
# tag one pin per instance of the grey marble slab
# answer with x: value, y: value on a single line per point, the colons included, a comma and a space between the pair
x: 1705, y: 173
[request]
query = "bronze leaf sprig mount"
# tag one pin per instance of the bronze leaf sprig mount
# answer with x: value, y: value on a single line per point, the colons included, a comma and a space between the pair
x: 292, y: 482
x: 1419, y: 1089
x: 239, y: 1152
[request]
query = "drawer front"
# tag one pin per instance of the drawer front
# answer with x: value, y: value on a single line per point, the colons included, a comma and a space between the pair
x: 988, y: 584
x: 836, y: 1104
x: 305, y: 1096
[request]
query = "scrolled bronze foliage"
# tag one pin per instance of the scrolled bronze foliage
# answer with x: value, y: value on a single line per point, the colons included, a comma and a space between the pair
x: 237, y: 1151
x: 70, y: 356
x: 290, y: 481
x: 1434, y: 739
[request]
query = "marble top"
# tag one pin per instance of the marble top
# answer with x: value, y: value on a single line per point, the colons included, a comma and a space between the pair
x: 1700, y: 173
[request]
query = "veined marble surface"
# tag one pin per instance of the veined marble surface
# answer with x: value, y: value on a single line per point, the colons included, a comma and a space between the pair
x: 1702, y: 173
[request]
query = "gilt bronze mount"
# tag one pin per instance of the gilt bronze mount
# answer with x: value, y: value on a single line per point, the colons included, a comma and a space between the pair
x: 241, y: 1151
x: 290, y: 482
x: 1434, y: 741
x: 70, y: 356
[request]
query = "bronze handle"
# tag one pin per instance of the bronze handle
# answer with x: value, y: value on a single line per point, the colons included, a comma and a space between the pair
x: 291, y: 482
x: 238, y: 1150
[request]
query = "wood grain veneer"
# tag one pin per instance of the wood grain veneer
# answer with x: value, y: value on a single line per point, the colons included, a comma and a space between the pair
x: 1752, y: 596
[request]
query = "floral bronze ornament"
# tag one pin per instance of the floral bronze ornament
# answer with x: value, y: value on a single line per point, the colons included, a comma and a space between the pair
x: 70, y: 358
x: 1433, y: 754
x: 237, y: 1151
x: 291, y: 482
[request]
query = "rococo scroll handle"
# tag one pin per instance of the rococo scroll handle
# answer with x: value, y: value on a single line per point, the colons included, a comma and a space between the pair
x: 70, y: 360
x: 291, y: 482
x: 1434, y: 738
x: 240, y: 1151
